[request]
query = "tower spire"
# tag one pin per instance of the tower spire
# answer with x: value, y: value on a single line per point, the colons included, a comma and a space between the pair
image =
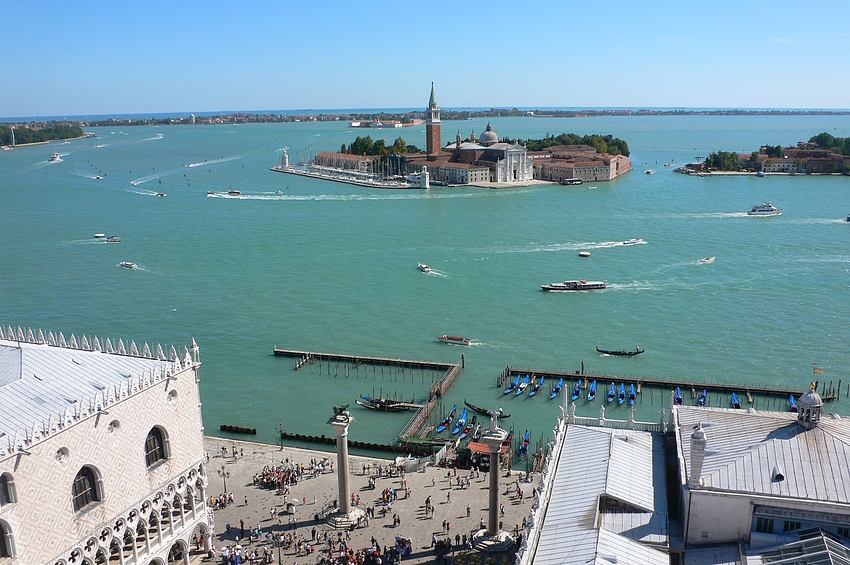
x: 433, y: 142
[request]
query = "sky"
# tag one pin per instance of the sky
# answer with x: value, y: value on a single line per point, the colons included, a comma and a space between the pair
x: 64, y: 58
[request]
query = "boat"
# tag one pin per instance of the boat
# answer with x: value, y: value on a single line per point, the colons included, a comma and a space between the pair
x: 523, y: 446
x: 637, y: 351
x: 648, y: 171
x: 701, y: 401
x: 100, y: 236
x: 510, y: 437
x: 576, y: 391
x: 127, y: 265
x: 591, y: 393
x: 469, y: 427
x: 382, y: 406
x: 523, y: 384
x: 634, y: 241
x: 766, y: 209
x: 611, y: 393
x: 55, y: 157
x: 386, y: 401
x: 234, y: 192
x: 574, y: 285
x: 113, y: 239
x: 621, y: 395
x: 584, y: 253
x: 557, y: 390
x: 160, y: 194
x: 792, y: 404
x: 210, y: 193
x: 415, y: 178
x: 632, y: 395
x: 513, y: 385
x: 461, y: 422
x: 760, y: 174
x: 454, y: 339
x: 735, y: 402
x: 571, y: 181
x: 706, y: 260
x: 537, y: 386
x: 483, y: 411
x: 677, y: 396
x: 447, y: 421
x: 424, y: 268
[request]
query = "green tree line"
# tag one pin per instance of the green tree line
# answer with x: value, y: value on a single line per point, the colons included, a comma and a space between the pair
x: 26, y: 135
x: 840, y: 145
x: 367, y: 146
x: 602, y: 143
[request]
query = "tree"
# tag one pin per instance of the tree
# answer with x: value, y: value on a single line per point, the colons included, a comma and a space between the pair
x: 399, y: 147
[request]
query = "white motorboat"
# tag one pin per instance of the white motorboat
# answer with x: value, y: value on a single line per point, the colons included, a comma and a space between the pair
x: 766, y: 209
x: 454, y: 339
x: 634, y: 241
x: 415, y: 178
x: 127, y: 265
x: 234, y: 192
x: 706, y: 260
x: 424, y: 268
x: 55, y: 157
x: 100, y: 236
x: 648, y: 171
x: 574, y: 285
x: 584, y: 253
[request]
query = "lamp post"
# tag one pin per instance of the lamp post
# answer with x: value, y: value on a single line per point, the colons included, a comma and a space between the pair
x: 223, y: 474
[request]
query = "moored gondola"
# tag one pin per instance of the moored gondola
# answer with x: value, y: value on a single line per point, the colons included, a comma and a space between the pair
x: 448, y: 420
x: 622, y: 352
x: 557, y: 390
x: 484, y: 412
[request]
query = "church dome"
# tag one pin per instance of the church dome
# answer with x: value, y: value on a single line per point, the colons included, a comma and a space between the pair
x: 810, y: 399
x: 489, y: 137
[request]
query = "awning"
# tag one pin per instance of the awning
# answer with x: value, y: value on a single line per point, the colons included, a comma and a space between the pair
x: 484, y: 448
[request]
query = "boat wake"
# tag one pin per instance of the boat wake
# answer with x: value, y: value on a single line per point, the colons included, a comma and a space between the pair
x: 157, y: 136
x: 88, y: 176
x: 214, y: 161
x: 634, y: 286
x: 145, y: 192
x: 142, y: 180
x: 403, y: 194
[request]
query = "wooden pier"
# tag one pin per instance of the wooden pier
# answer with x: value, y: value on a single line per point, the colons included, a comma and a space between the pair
x: 419, y: 420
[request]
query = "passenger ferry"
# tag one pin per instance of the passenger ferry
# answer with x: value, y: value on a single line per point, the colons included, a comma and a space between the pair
x: 766, y: 209
x: 424, y: 268
x: 127, y: 265
x: 574, y: 285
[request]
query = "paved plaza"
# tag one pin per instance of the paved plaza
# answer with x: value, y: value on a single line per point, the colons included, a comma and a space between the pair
x: 461, y: 509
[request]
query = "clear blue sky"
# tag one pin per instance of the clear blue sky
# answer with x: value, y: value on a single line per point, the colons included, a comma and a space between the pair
x: 69, y: 58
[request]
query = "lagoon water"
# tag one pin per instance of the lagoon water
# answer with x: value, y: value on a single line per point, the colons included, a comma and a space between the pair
x: 332, y: 267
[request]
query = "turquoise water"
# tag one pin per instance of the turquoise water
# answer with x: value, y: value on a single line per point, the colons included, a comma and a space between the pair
x: 332, y: 267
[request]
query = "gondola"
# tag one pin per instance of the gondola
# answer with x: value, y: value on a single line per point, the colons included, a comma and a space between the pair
x: 591, y: 394
x: 448, y: 420
x: 611, y: 394
x: 461, y: 422
x: 702, y: 398
x: 637, y: 351
x: 469, y: 427
x: 735, y: 402
x: 792, y: 404
x: 522, y: 385
x: 621, y: 395
x: 510, y: 437
x: 380, y: 400
x: 577, y: 391
x: 632, y: 395
x: 537, y: 386
x: 677, y: 396
x: 523, y: 446
x: 484, y: 412
x: 382, y: 406
x: 513, y: 385
x: 557, y: 390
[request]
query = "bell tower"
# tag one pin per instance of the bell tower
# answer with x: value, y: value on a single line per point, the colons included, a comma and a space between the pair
x: 433, y: 143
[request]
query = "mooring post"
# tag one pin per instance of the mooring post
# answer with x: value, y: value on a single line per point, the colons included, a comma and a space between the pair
x: 462, y: 361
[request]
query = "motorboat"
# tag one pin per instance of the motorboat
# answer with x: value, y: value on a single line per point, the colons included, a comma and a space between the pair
x: 523, y: 384
x: 623, y: 352
x: 461, y: 422
x: 848, y: 217
x: 234, y: 192
x: 632, y: 394
x: 621, y: 394
x: 648, y: 171
x: 576, y: 391
x: 706, y: 260
x: 591, y: 393
x: 792, y: 404
x: 127, y: 265
x: 584, y: 253
x: 701, y: 401
x: 557, y: 390
x: 537, y: 386
x: 735, y: 402
x: 677, y: 396
x: 448, y: 420
x: 454, y: 339
x: 512, y: 386
x: 611, y: 393
x: 766, y: 209
x: 160, y: 194
x: 100, y: 236
x: 634, y: 241
x: 424, y: 268
x: 113, y: 239
x: 55, y: 157
x: 210, y: 193
x: 571, y: 181
x: 414, y: 178
x: 760, y: 174
x: 574, y: 285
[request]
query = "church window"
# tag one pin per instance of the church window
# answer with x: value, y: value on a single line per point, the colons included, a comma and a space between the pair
x: 7, y: 542
x: 156, y: 447
x: 8, y: 495
x: 86, y: 489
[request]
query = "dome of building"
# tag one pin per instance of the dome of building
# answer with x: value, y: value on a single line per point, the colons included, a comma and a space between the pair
x: 810, y: 399
x: 489, y: 137
x: 809, y: 408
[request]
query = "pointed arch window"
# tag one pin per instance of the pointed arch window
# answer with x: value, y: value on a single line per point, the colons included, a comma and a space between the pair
x: 156, y: 446
x: 87, y: 488
x: 8, y: 494
x: 7, y: 542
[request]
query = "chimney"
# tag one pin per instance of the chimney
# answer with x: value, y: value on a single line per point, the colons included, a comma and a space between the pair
x: 697, y: 457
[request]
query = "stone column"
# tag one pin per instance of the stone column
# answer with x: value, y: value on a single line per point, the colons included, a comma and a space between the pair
x: 493, y: 438
x: 340, y: 423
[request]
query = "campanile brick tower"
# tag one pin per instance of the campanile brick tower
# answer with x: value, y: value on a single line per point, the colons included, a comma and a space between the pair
x: 432, y: 127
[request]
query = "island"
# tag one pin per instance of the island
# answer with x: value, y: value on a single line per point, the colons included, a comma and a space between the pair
x: 12, y: 135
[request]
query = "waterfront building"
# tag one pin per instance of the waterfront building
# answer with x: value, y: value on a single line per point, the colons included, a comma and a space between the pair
x: 562, y: 162
x: 101, y: 452
x: 346, y: 161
